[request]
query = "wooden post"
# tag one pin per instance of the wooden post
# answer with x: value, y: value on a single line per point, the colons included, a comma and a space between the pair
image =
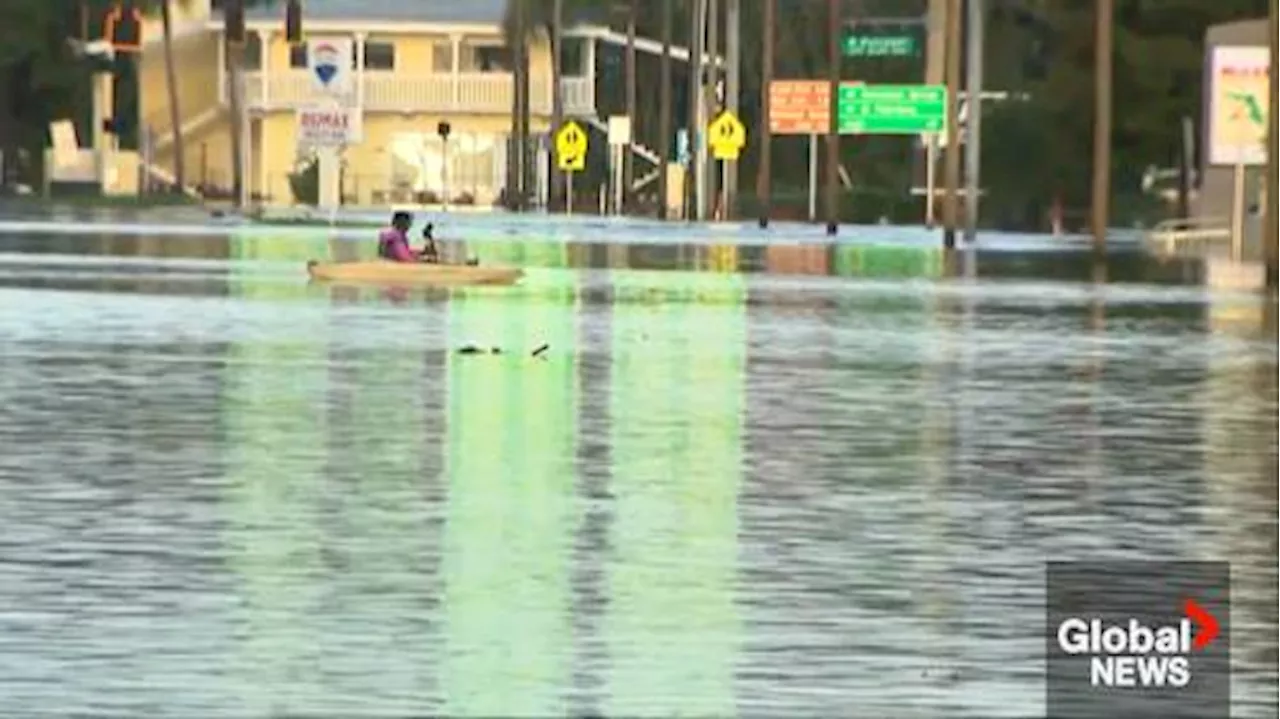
x: 711, y: 166
x: 765, y: 167
x: 1102, y: 123
x: 559, y: 180
x: 952, y: 158
x: 697, y: 134
x: 664, y: 111
x: 628, y: 155
x: 234, y: 57
x: 833, y: 126
x: 732, y: 92
x: 515, y: 154
x: 1272, y: 213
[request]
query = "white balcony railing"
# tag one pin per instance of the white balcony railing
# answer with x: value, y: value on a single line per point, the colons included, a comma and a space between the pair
x: 463, y: 92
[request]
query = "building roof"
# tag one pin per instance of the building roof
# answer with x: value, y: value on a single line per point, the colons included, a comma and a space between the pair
x: 424, y: 11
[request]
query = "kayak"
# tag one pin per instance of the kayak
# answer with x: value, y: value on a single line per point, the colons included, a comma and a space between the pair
x: 416, y: 273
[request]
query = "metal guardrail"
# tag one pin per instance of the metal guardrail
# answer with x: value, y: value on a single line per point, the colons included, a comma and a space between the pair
x: 1173, y: 236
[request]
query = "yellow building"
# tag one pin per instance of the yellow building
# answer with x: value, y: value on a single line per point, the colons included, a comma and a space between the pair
x: 415, y: 65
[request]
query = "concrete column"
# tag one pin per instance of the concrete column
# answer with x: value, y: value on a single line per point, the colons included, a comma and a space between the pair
x: 223, y: 95
x: 360, y: 38
x: 330, y: 178
x: 103, y: 104
x: 455, y: 70
x: 264, y: 68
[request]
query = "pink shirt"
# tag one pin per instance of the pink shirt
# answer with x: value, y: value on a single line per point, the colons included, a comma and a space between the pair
x: 394, y: 245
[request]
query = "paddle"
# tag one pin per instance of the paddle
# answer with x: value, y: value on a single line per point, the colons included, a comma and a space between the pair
x: 429, y: 249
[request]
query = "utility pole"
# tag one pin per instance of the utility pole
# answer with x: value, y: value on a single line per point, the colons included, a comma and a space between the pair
x: 952, y: 170
x: 711, y: 194
x: 628, y: 157
x: 696, y: 133
x: 558, y: 183
x: 765, y: 166
x: 1102, y: 122
x: 515, y: 160
x: 934, y: 74
x: 234, y: 59
x: 664, y: 111
x: 526, y: 167
x: 733, y: 53
x: 833, y: 126
x: 1272, y: 213
x: 973, y: 134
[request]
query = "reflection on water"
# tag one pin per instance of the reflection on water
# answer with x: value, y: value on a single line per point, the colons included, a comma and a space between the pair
x: 676, y: 407
x: 228, y: 492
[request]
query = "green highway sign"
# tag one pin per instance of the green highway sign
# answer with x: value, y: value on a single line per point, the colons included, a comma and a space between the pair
x: 891, y: 109
x: 875, y: 45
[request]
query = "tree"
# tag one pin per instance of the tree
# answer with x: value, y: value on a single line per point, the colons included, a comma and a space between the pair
x: 37, y: 76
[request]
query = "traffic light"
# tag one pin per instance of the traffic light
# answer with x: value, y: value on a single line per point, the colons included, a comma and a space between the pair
x: 122, y: 27
x: 293, y: 22
x: 233, y: 13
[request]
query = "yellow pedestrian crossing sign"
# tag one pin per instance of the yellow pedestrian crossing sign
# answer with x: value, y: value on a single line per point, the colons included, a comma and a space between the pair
x: 726, y: 136
x: 571, y: 147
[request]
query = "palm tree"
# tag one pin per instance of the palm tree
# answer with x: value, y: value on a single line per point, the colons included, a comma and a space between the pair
x: 175, y: 112
x: 542, y: 18
x: 516, y: 33
x: 235, y: 69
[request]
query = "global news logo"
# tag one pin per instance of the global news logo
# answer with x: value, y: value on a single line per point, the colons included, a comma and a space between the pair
x: 1133, y: 655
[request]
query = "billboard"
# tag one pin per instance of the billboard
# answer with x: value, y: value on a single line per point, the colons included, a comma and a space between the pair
x: 1238, y: 99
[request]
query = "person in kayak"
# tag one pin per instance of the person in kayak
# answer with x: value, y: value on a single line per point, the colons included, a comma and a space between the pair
x: 393, y: 242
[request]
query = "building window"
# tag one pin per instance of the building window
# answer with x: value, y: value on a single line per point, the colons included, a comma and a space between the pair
x: 486, y: 58
x: 252, y: 52
x: 573, y: 57
x: 442, y: 57
x: 298, y: 56
x: 379, y: 55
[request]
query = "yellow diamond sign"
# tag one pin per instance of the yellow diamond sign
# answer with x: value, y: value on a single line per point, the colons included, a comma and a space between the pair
x: 571, y: 147
x: 727, y: 136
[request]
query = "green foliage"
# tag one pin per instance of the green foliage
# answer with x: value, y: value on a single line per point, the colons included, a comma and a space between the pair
x: 304, y: 183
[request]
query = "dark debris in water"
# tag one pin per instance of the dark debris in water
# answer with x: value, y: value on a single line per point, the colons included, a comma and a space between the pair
x: 477, y: 350
x: 474, y: 350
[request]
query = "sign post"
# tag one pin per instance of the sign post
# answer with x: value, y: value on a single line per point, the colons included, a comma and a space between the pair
x: 802, y: 107
x: 1238, y: 103
x: 891, y: 109
x: 727, y: 136
x: 443, y: 128
x: 571, y: 156
x: 1237, y: 212
x: 930, y: 178
x: 619, y: 139
x: 332, y: 124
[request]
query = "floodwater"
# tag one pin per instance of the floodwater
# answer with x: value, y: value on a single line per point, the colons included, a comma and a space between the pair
x: 789, y: 481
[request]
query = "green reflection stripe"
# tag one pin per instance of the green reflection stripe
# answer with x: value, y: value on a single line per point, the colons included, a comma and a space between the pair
x: 677, y: 402
x: 887, y: 261
x: 511, y: 450
x: 267, y: 267
x: 273, y: 411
